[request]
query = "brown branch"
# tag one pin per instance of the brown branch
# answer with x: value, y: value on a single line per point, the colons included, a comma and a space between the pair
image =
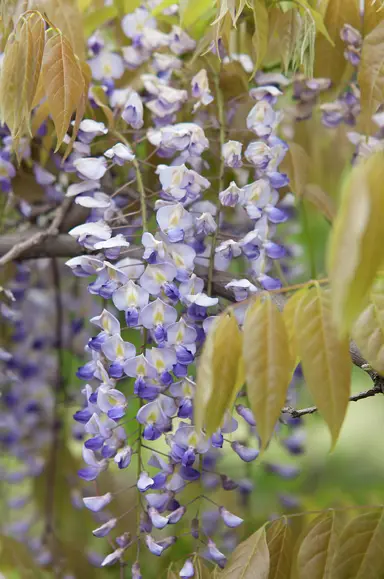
x: 377, y: 389
x: 63, y: 245
x: 38, y: 237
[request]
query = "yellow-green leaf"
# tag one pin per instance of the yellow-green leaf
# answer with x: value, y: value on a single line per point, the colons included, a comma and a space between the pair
x: 15, y: 557
x: 291, y: 308
x: 298, y: 168
x: 201, y: 571
x: 161, y: 7
x: 66, y: 15
x: 86, y: 76
x: 40, y: 114
x: 371, y: 73
x: 30, y: 45
x: 279, y: 541
x: 194, y: 12
x: 324, y: 357
x: 63, y: 82
x: 36, y: 28
x: 226, y: 370
x: 368, y: 332
x: 361, y: 551
x: 357, y: 244
x: 268, y: 364
x: 317, y: 17
x: 318, y: 547
x: 329, y: 60
x: 321, y: 200
x: 250, y: 559
x: 100, y: 98
x: 218, y: 373
x: 10, y: 81
x: 373, y: 14
x: 260, y: 36
x: 287, y: 29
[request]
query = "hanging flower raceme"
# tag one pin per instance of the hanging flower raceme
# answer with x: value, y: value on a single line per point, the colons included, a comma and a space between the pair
x: 158, y: 305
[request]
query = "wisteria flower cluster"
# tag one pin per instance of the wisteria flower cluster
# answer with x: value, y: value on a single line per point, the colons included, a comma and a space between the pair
x: 165, y: 295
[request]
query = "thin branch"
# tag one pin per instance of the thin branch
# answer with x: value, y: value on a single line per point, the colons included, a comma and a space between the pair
x: 377, y: 389
x: 40, y: 236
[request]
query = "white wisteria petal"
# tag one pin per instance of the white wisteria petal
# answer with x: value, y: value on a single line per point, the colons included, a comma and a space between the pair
x: 82, y: 187
x: 91, y: 167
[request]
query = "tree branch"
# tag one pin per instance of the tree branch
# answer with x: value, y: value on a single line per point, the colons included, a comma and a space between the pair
x: 36, y: 239
x: 37, y: 245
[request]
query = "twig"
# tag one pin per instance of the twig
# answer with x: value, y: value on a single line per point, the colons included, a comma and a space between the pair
x: 38, y: 237
x: 377, y: 389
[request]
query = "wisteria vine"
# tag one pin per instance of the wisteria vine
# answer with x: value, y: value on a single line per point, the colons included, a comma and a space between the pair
x: 217, y: 216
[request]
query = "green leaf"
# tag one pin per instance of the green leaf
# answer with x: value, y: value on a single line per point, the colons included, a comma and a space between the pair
x: 361, y: 551
x: 217, y: 375
x: 356, y: 248
x: 63, y: 82
x: 96, y: 18
x: 317, y: 548
x: 324, y: 357
x: 15, y: 556
x: 268, y: 364
x: 194, y: 11
x: 122, y: 7
x: 161, y: 7
x: 368, y: 331
x: 318, y: 20
x: 250, y: 559
x: 279, y: 541
x: 260, y: 36
x: 371, y: 74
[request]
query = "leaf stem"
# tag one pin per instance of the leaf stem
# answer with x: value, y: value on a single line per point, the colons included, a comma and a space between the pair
x: 308, y: 238
x: 140, y: 186
x: 143, y: 207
